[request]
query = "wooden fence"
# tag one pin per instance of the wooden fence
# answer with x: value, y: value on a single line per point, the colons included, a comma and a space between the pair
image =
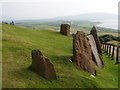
x: 112, y: 50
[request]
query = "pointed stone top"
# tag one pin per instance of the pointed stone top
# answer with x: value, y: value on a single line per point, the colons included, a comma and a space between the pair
x: 37, y: 52
x: 65, y: 24
x: 94, y: 28
x: 80, y: 32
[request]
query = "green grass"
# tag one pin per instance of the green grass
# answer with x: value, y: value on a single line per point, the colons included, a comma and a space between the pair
x: 38, y: 26
x: 73, y: 30
x: 17, y: 45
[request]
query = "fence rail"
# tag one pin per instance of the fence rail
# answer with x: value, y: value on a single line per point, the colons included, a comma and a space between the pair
x: 112, y: 50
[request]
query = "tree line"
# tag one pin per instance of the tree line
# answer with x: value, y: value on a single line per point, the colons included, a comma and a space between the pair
x: 11, y: 23
x: 106, y: 38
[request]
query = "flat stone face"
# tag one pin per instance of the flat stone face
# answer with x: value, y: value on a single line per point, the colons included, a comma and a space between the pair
x: 65, y: 29
x: 96, y: 57
x: 97, y: 41
x: 82, y: 52
x: 42, y: 65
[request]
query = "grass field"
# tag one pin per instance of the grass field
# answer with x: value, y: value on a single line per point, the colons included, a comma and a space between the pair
x: 37, y: 26
x: 17, y: 45
x: 114, y: 42
x: 114, y: 34
x: 75, y: 26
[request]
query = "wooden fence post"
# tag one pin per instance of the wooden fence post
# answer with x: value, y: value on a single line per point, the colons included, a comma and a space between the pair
x: 117, y: 51
x: 110, y: 49
x: 113, y: 52
x: 107, y: 48
x: 104, y: 46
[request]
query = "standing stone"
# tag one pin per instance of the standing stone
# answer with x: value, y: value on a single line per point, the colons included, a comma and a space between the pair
x: 95, y: 55
x: 97, y: 41
x: 82, y: 52
x: 42, y: 65
x: 65, y: 29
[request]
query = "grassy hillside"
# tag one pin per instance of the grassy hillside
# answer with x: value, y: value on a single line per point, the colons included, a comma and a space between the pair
x: 17, y: 45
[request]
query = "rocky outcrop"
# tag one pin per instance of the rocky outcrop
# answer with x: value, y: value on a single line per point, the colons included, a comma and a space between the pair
x: 95, y: 55
x: 42, y: 65
x: 82, y: 52
x: 97, y: 41
x: 65, y: 29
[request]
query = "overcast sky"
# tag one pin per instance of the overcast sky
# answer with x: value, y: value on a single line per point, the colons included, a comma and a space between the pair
x: 40, y: 9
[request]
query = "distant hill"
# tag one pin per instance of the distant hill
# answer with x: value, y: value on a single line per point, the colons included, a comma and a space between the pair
x: 86, y: 17
x: 89, y: 16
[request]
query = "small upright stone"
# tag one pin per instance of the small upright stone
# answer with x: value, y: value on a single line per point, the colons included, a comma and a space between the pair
x: 82, y: 53
x: 65, y: 29
x: 97, y: 41
x: 42, y: 65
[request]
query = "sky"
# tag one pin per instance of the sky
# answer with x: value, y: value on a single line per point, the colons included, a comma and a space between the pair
x: 41, y: 9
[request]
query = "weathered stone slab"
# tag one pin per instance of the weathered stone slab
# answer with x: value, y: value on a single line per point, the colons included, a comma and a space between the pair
x: 42, y: 65
x: 96, y: 57
x: 96, y: 38
x: 65, y: 29
x: 82, y: 52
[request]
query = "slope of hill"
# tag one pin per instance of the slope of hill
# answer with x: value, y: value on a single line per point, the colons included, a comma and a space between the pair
x: 17, y: 45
